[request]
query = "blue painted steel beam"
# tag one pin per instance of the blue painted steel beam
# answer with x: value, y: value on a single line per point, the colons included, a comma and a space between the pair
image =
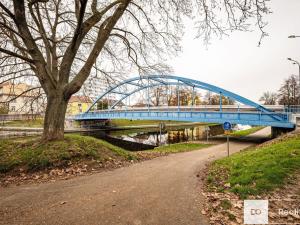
x: 258, y: 119
x: 135, y: 84
x: 117, y: 92
x: 187, y: 81
x: 272, y: 119
x: 140, y: 89
x: 158, y: 84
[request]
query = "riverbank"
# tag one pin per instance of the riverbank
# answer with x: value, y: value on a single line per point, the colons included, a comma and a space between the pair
x: 29, y: 160
x: 38, y: 123
x: 268, y: 171
x: 22, y: 131
x: 73, y: 130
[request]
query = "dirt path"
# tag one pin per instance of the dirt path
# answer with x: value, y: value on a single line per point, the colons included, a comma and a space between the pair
x: 162, y: 191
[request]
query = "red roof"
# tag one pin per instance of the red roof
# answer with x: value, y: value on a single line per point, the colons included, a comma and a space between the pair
x: 82, y: 99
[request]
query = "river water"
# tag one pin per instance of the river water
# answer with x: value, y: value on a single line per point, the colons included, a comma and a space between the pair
x: 147, y: 138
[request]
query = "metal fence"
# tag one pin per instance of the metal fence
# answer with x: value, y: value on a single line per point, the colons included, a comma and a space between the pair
x: 292, y: 109
x: 11, y: 117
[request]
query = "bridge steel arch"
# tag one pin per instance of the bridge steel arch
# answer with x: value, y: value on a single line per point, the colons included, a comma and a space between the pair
x: 263, y: 116
x: 158, y: 80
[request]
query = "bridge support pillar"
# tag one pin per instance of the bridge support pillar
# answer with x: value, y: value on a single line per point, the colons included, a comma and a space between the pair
x: 277, y: 131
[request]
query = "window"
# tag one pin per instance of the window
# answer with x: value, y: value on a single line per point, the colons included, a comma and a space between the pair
x: 13, y: 108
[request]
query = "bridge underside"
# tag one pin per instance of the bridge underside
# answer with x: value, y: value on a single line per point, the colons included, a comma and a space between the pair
x: 255, y: 119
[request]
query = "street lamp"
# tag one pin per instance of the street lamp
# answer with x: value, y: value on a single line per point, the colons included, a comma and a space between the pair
x: 293, y: 36
x: 296, y: 63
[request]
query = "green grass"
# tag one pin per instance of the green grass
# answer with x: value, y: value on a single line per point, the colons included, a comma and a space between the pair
x: 243, y: 133
x: 257, y: 170
x: 31, y: 154
x: 180, y: 147
x: 124, y: 122
x: 24, y: 123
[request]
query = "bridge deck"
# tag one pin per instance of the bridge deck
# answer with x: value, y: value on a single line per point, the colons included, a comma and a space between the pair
x: 250, y: 118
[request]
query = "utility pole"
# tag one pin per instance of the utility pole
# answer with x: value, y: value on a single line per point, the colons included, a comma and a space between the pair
x: 296, y: 62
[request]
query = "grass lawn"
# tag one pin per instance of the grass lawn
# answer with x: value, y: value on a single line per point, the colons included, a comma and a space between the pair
x: 257, y: 170
x: 243, y: 133
x: 31, y: 154
x: 24, y: 123
x: 116, y: 122
x: 124, y: 122
x: 180, y: 147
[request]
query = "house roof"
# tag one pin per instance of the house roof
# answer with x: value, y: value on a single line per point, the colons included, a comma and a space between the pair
x: 80, y: 99
x: 12, y: 89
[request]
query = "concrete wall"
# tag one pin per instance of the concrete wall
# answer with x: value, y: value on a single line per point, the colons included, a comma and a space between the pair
x: 277, y: 131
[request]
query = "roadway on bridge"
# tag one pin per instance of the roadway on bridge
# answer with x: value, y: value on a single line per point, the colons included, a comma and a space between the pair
x: 162, y: 191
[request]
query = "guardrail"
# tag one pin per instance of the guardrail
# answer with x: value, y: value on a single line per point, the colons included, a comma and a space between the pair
x: 292, y: 109
x: 11, y: 117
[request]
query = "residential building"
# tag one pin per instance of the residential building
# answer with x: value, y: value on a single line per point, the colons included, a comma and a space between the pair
x: 21, y: 98
x: 78, y: 104
x: 93, y: 88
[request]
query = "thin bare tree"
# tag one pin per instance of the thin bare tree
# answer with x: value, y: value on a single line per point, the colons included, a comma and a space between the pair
x: 61, y: 43
x: 288, y: 93
x: 269, y: 98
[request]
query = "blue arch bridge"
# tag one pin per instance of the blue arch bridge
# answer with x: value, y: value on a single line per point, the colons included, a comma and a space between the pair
x: 246, y: 112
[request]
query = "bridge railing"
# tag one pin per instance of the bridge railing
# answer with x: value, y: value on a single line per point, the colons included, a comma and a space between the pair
x: 292, y: 109
x: 213, y: 108
x: 11, y: 117
x: 252, y: 118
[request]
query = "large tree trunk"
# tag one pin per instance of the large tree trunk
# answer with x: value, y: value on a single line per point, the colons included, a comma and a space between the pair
x: 55, y: 117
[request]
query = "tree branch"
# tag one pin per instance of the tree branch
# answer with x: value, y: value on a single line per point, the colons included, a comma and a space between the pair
x: 16, y: 55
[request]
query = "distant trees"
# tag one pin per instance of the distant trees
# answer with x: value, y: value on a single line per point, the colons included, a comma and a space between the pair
x: 4, y: 109
x: 214, y: 99
x: 157, y: 95
x: 103, y: 104
x: 288, y: 94
x: 185, y: 97
x: 170, y: 96
x: 269, y: 98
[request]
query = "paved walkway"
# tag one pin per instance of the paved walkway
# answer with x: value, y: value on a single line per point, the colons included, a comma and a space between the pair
x: 162, y: 191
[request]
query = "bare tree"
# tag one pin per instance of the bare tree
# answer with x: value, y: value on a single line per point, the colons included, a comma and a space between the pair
x: 185, y: 96
x: 59, y: 44
x: 289, y: 91
x: 157, y: 95
x: 214, y: 99
x: 269, y: 98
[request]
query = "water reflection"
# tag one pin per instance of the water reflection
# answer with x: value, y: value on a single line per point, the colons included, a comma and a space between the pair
x: 170, y: 136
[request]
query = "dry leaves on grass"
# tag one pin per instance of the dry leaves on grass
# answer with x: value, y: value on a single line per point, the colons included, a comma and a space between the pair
x: 71, y: 170
x: 58, y: 173
x: 227, y: 208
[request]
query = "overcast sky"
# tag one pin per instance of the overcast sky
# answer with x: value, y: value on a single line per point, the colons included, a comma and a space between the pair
x: 236, y: 63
